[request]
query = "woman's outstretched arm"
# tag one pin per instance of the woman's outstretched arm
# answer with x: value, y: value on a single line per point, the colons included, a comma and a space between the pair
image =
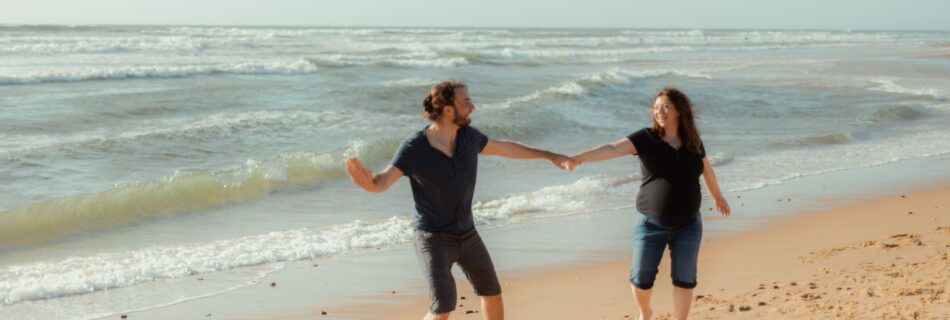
x: 602, y: 152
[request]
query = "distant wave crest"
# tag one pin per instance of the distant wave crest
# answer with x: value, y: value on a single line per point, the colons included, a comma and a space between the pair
x: 104, y: 73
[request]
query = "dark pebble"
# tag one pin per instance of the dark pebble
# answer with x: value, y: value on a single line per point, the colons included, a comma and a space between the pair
x: 761, y: 303
x: 316, y: 265
x: 910, y: 212
x: 124, y: 317
x: 199, y: 279
x: 903, y: 196
x: 774, y: 287
x: 470, y: 311
x: 208, y: 315
x: 794, y: 283
x: 732, y: 308
x: 323, y: 313
x: 700, y: 297
x: 745, y: 308
x: 463, y: 298
x: 394, y: 291
x: 273, y: 284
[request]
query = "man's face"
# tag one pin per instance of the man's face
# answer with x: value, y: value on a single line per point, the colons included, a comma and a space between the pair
x: 463, y: 107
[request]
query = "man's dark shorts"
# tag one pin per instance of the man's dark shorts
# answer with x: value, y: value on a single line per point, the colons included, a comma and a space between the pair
x: 438, y: 251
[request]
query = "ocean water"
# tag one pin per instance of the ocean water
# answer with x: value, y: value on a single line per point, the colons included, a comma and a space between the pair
x: 135, y: 157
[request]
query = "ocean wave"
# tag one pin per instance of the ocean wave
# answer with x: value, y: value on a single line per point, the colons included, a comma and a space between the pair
x: 553, y: 200
x: 888, y: 85
x: 262, y: 122
x: 766, y: 36
x: 404, y: 60
x: 409, y: 82
x: 762, y: 169
x: 549, y: 54
x: 131, y: 72
x: 104, y: 271
x: 63, y: 44
x: 133, y: 40
x: 827, y: 139
x: 522, y: 63
x: 897, y: 113
x: 273, y: 32
x: 230, y: 32
x: 719, y: 159
x: 181, y: 193
x: 585, y: 84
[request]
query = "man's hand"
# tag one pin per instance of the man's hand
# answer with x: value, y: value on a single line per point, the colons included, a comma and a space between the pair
x: 359, y: 174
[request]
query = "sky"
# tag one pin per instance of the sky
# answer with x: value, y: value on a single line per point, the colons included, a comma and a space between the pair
x: 675, y: 14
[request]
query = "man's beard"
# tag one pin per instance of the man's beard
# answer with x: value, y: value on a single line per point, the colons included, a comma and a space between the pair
x: 461, y: 121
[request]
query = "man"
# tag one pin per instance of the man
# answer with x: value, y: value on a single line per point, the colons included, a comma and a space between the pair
x: 441, y: 162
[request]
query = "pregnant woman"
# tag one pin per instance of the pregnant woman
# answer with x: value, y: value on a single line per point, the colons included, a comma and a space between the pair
x: 672, y: 158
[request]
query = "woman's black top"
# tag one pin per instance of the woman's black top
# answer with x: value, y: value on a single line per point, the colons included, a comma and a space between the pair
x: 669, y: 194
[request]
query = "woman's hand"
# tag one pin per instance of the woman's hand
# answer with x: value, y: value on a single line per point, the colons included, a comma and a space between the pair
x: 722, y: 206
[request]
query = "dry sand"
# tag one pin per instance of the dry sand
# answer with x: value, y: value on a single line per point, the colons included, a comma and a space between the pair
x: 886, y: 258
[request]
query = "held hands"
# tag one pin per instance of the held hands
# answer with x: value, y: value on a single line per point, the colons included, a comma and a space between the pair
x: 562, y: 162
x: 571, y: 163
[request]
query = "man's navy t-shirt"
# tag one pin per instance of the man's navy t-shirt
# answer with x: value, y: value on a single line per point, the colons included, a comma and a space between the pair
x: 442, y: 187
x: 669, y: 194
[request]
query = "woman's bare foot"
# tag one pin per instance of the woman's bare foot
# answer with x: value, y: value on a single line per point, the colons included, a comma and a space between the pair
x: 648, y: 315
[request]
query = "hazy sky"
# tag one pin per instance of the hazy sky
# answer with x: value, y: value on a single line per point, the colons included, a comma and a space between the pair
x: 709, y: 14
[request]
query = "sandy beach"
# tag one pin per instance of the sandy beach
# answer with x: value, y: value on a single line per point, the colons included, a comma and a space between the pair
x: 885, y: 258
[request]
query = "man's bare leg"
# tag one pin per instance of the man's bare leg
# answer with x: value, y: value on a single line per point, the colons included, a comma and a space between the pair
x: 493, y: 308
x: 682, y: 299
x: 642, y: 297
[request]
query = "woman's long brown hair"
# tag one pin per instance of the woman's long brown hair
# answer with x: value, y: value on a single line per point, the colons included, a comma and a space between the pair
x: 687, y: 127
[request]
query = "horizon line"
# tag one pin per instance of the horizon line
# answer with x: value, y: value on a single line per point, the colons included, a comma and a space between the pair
x: 450, y: 27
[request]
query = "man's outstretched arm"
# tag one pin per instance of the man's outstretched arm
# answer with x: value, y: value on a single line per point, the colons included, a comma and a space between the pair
x: 515, y: 150
x: 369, y: 181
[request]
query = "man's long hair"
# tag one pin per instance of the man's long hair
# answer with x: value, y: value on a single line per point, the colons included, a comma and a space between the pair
x: 440, y: 96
